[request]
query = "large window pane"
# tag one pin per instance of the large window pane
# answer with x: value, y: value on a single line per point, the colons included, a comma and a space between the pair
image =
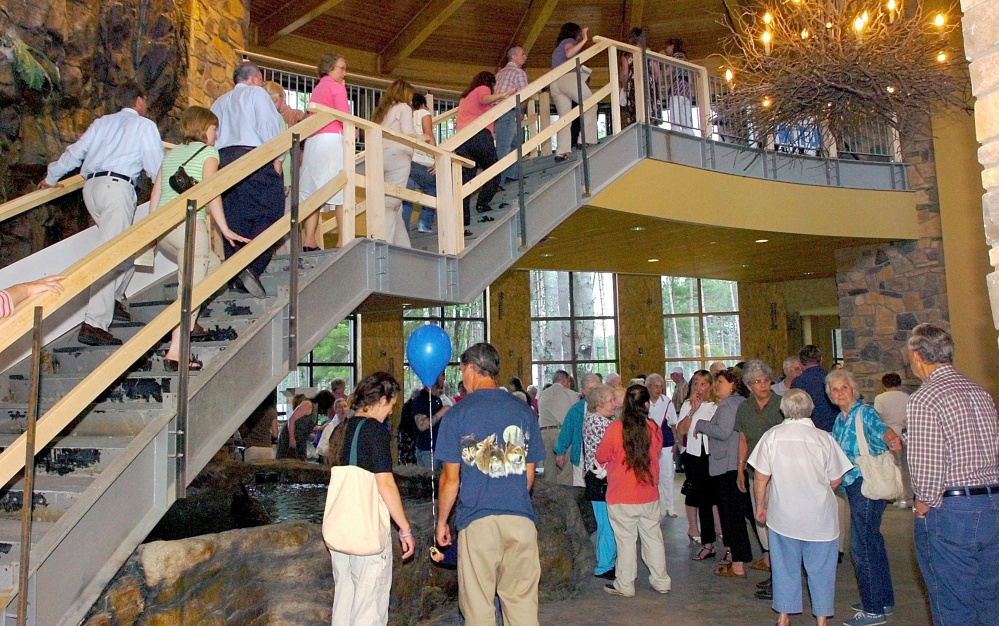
x: 550, y: 294
x: 679, y: 295
x: 689, y: 367
x: 592, y: 294
x: 543, y: 372
x: 595, y: 340
x: 683, y: 336
x: 722, y: 335
x: 720, y: 296
x: 337, y: 347
x: 323, y: 375
x: 465, y: 324
x: 552, y: 340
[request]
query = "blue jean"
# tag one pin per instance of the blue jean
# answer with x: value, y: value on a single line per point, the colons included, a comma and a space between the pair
x: 420, y: 179
x: 867, y: 547
x: 506, y: 142
x: 606, y: 545
x: 957, y: 546
x: 819, y: 558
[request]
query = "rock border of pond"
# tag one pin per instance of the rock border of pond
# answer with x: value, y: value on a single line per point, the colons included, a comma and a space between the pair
x: 246, y: 571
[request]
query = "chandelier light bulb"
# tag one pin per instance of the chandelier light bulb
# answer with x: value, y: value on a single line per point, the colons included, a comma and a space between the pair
x: 829, y: 25
x: 804, y: 33
x: 891, y: 5
x: 891, y: 89
x: 859, y: 23
x: 766, y: 101
x: 767, y: 18
x: 940, y: 20
x: 728, y: 75
x: 766, y: 36
x: 941, y: 57
x: 865, y: 17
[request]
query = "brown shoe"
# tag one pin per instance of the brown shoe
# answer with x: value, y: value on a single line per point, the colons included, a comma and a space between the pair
x: 760, y: 565
x: 93, y: 336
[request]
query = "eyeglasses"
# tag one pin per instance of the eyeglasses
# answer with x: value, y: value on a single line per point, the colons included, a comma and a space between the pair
x: 760, y: 381
x: 340, y: 67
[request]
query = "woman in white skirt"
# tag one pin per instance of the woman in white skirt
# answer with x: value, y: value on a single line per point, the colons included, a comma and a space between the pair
x: 323, y: 158
x: 395, y: 112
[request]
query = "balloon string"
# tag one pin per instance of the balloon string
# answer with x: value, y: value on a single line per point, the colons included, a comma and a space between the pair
x: 433, y: 465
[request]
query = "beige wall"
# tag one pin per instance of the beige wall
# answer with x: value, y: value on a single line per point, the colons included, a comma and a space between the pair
x: 640, y: 325
x: 510, y: 324
x: 382, y: 349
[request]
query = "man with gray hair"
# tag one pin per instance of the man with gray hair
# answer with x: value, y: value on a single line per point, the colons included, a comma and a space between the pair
x: 570, y: 436
x: 792, y: 369
x: 680, y: 386
x: 953, y: 444
x: 511, y: 78
x: 553, y: 405
x: 247, y: 120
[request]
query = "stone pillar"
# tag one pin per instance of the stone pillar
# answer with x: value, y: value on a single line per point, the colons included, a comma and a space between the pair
x: 217, y: 30
x: 510, y: 325
x: 981, y: 32
x: 640, y: 325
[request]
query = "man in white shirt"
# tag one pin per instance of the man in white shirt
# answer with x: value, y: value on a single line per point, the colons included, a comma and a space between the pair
x: 792, y: 367
x: 890, y: 405
x: 112, y: 155
x: 249, y: 119
x: 553, y: 404
x: 661, y: 410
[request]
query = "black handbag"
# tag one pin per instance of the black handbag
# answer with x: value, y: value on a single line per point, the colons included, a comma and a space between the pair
x: 595, y: 489
x: 181, y: 181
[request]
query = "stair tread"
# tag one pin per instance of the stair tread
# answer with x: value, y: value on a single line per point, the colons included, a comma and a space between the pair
x: 77, y: 483
x: 75, y: 441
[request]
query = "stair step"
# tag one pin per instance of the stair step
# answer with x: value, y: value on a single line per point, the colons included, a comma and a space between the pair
x: 113, y: 419
x: 53, y: 495
x: 10, y: 550
x: 223, y: 310
x: 85, y: 359
x: 77, y: 455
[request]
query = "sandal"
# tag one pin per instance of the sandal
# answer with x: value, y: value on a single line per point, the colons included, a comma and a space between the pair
x: 726, y: 558
x: 726, y: 571
x: 562, y: 158
x: 486, y: 218
x: 694, y: 538
x: 172, y: 365
x: 704, y: 554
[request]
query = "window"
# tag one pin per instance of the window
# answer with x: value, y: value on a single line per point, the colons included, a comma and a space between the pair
x: 701, y: 323
x: 465, y: 324
x: 573, y: 324
x: 334, y: 357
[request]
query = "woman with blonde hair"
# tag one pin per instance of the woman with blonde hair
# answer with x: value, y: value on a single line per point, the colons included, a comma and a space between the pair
x: 395, y: 112
x: 698, y: 488
x: 197, y: 155
x: 322, y: 159
x: 276, y: 92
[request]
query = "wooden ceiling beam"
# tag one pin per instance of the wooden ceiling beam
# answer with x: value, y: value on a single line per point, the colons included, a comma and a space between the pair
x: 535, y: 20
x: 291, y: 17
x: 428, y: 20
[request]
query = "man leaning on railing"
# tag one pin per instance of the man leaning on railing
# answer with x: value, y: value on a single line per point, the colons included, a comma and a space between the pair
x: 112, y: 155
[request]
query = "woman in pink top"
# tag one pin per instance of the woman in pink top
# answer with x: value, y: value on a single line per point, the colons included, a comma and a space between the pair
x: 630, y: 454
x: 481, y: 147
x: 323, y: 158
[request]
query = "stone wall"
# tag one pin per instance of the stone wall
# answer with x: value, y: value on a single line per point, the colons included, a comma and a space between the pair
x: 217, y: 29
x: 886, y: 290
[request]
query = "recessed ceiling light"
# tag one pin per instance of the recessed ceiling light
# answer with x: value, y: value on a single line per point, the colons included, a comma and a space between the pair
x: 745, y: 266
x: 637, y: 228
x: 406, y: 304
x: 653, y: 260
x: 547, y: 255
x: 762, y: 240
x: 809, y: 273
x: 712, y: 243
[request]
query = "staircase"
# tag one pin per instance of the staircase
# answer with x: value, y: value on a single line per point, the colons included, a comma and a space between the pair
x: 105, y: 482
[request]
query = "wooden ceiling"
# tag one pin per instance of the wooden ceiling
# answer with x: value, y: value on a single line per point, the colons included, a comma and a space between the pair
x: 477, y: 32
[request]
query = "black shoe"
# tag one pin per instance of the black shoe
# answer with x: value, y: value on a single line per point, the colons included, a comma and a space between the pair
x: 504, y: 205
x: 608, y: 575
x: 121, y: 313
x: 93, y: 336
x: 468, y: 233
x: 486, y: 218
x: 483, y: 208
x: 839, y: 559
x: 252, y: 284
x: 767, y: 593
x: 765, y: 583
x: 310, y: 249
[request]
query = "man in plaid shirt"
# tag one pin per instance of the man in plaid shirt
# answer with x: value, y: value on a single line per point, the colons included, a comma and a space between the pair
x: 953, y: 438
x: 511, y: 78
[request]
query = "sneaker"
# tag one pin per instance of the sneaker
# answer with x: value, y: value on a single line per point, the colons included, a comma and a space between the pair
x: 93, y: 336
x: 424, y: 230
x: 858, y: 607
x: 121, y: 313
x: 252, y: 284
x: 765, y: 593
x: 608, y: 575
x: 614, y: 591
x: 863, y: 618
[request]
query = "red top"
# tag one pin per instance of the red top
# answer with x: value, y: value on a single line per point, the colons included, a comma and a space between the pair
x: 334, y: 95
x: 472, y: 106
x: 622, y: 485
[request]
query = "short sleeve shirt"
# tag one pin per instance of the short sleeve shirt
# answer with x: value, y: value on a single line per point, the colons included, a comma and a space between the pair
x: 752, y: 421
x: 332, y: 94
x: 374, y: 445
x: 472, y: 106
x: 492, y: 435
x: 194, y: 168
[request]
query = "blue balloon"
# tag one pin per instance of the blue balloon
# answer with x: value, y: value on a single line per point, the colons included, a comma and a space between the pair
x: 429, y: 352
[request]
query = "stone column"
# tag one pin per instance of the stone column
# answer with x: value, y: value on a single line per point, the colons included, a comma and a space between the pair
x: 218, y: 29
x: 981, y: 32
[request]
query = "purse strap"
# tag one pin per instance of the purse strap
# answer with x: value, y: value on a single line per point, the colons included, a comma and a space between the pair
x: 190, y: 158
x: 861, y: 438
x: 353, y: 445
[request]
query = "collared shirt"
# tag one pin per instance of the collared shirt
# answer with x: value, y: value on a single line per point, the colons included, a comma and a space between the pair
x: 752, y: 421
x: 845, y: 433
x: 801, y: 461
x: 662, y: 409
x: 953, y: 436
x: 247, y: 117
x: 813, y: 381
x: 554, y: 403
x: 511, y: 78
x: 779, y: 388
x: 571, y: 436
x: 706, y: 411
x: 124, y: 142
x: 890, y: 405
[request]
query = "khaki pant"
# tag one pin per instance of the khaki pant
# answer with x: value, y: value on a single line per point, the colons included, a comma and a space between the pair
x: 564, y: 92
x: 111, y: 202
x: 397, y: 165
x: 498, y: 556
x: 362, y: 586
x: 258, y: 453
x: 844, y: 521
x: 633, y: 522
x: 205, y: 259
x: 552, y: 473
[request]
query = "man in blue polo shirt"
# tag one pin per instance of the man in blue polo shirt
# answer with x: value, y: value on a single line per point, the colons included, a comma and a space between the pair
x: 812, y: 381
x: 490, y: 443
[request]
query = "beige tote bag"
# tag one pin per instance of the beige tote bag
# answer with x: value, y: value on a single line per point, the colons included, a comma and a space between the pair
x: 356, y: 520
x: 882, y: 477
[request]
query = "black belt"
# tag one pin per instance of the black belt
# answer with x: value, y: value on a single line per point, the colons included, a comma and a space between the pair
x: 550, y: 427
x: 972, y: 491
x: 116, y: 176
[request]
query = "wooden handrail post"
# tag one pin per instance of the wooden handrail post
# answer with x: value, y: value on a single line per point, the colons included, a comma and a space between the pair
x: 641, y: 88
x: 374, y: 179
x: 582, y: 129
x: 614, y: 79
x: 545, y: 119
x: 448, y: 226
x: 349, y: 225
x: 459, y: 204
x: 28, y: 497
x: 520, y: 178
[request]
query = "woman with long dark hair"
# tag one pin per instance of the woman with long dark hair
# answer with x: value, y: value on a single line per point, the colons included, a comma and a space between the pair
x: 630, y: 453
x: 481, y: 147
x: 363, y: 583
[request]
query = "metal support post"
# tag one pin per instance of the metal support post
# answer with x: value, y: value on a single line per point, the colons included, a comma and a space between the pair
x: 27, y: 499
x: 184, y: 361
x: 582, y: 129
x: 296, y: 249
x: 520, y: 173
x: 646, y: 102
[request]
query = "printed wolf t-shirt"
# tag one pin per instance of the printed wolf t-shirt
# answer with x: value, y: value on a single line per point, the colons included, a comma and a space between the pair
x: 493, y: 435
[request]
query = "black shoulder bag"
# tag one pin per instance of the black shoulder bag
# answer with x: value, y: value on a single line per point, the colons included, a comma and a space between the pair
x: 181, y: 181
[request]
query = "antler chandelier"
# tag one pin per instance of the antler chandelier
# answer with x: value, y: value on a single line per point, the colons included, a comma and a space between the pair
x: 840, y: 64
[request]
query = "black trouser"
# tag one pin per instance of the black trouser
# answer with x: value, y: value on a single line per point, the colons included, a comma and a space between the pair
x: 252, y: 205
x: 481, y: 149
x: 704, y: 494
x: 732, y: 510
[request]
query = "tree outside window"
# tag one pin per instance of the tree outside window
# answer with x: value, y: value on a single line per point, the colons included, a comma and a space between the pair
x: 334, y: 357
x: 465, y: 324
x: 701, y: 323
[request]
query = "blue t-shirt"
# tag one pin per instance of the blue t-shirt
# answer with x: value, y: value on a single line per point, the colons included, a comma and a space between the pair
x: 493, y: 435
